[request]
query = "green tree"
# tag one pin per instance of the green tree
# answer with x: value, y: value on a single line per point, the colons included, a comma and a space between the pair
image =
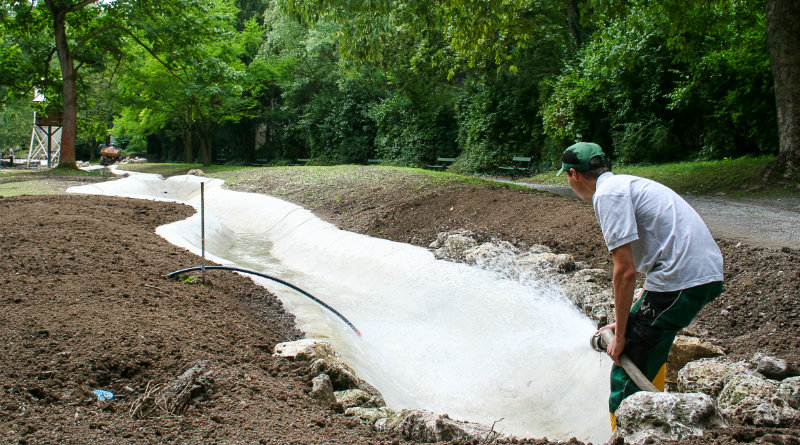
x: 82, y: 34
x: 16, y: 117
x: 668, y: 80
x: 204, y: 85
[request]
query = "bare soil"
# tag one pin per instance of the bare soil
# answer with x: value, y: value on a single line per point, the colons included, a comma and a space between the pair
x: 86, y: 305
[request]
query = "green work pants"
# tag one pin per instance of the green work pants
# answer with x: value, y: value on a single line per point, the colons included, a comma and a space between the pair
x: 654, y: 322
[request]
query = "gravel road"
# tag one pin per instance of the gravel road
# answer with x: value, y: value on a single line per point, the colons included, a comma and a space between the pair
x: 773, y: 223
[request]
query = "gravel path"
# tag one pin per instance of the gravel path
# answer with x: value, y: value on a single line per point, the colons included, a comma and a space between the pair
x: 773, y: 223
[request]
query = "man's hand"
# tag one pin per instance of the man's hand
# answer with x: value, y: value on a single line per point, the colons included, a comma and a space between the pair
x: 612, y: 327
x: 615, y: 349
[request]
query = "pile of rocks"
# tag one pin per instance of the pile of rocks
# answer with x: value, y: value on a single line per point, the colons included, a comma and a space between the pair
x: 713, y: 393
x: 338, y: 386
x: 588, y: 288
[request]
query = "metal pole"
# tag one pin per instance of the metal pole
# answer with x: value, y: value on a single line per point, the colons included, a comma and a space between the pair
x: 49, y: 138
x: 203, y: 230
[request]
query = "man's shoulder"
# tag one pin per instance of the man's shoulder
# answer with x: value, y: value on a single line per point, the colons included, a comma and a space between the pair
x: 612, y: 183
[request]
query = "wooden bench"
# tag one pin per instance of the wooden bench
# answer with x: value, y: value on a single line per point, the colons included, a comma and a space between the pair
x: 441, y: 163
x: 300, y: 162
x: 519, y: 164
x: 374, y: 161
x: 259, y: 162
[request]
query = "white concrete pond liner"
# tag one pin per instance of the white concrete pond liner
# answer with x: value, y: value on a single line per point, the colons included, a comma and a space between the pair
x: 448, y: 337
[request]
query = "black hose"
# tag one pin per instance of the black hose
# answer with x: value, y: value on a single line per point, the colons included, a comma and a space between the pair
x: 263, y: 275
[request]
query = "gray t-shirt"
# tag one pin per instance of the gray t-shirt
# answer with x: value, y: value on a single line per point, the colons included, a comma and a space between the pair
x: 670, y: 242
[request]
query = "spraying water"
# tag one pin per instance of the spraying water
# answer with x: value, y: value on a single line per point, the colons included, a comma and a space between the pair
x: 443, y: 336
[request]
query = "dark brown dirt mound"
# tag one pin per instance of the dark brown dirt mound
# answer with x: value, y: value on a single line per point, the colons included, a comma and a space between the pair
x: 86, y: 305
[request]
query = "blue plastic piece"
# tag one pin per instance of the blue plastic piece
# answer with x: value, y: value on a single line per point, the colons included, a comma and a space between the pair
x: 103, y: 394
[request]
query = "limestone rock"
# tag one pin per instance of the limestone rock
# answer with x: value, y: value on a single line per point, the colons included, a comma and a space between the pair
x: 425, y: 426
x: 196, y: 172
x: 750, y: 399
x: 441, y: 237
x: 369, y: 415
x: 455, y: 247
x: 539, y: 248
x: 561, y: 263
x: 709, y: 375
x: 499, y: 257
x: 650, y: 417
x: 357, y: 397
x: 305, y: 349
x: 789, y: 390
x: 688, y: 349
x: 343, y: 377
x: 322, y: 390
x: 591, y: 275
x: 771, y: 367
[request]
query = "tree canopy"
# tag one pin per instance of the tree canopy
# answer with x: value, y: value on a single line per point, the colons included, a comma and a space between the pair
x: 346, y: 81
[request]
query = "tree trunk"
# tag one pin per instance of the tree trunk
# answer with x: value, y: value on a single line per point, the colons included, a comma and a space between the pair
x: 574, y: 23
x: 92, y: 147
x: 205, y: 152
x: 69, y: 125
x: 783, y: 35
x: 186, y: 135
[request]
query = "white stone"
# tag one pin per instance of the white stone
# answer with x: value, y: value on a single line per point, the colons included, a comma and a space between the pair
x: 650, y: 417
x: 425, y: 427
x: 749, y: 399
x: 369, y: 415
x: 454, y: 247
x: 304, y: 349
x: 592, y: 275
x: 709, y: 375
x: 539, y: 248
x: 490, y: 256
x: 344, y: 377
x: 561, y: 263
x: 350, y: 398
x: 687, y: 349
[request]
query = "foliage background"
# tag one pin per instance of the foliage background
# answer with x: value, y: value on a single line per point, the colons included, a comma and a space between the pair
x: 345, y: 81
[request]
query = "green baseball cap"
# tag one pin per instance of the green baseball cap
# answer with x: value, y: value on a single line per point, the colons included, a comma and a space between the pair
x: 583, y: 151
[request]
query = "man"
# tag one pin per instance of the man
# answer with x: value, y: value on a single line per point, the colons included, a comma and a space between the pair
x: 650, y: 229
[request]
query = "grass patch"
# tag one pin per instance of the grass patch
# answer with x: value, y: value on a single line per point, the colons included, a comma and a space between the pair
x: 731, y: 177
x: 173, y: 169
x: 38, y: 182
x: 32, y: 187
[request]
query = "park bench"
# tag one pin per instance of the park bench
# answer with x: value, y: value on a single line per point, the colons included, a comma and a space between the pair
x: 259, y: 162
x: 519, y: 164
x: 374, y: 161
x: 441, y: 163
x: 301, y: 162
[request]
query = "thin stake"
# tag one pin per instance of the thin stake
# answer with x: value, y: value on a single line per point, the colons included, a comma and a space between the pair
x: 203, y: 231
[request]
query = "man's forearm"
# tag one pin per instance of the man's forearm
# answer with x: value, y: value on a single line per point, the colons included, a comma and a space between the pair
x: 624, y: 286
x: 623, y: 300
